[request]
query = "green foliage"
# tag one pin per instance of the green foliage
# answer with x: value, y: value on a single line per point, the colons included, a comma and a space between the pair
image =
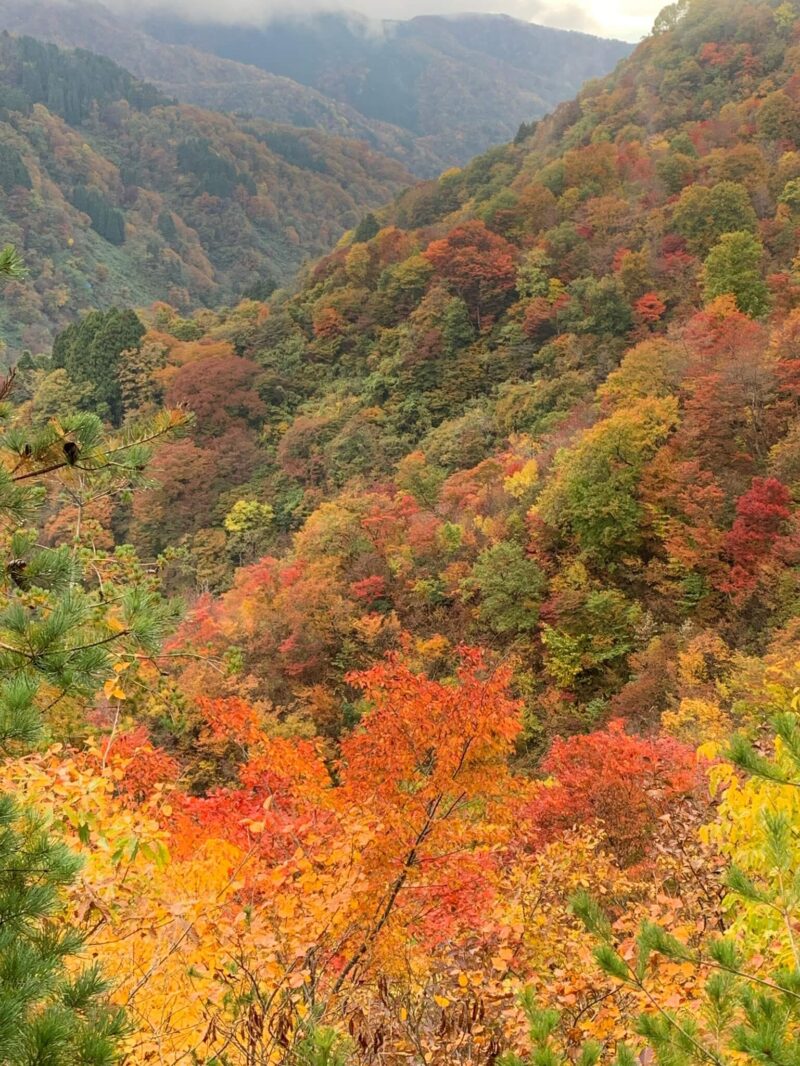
x: 11, y: 265
x: 534, y: 274
x: 69, y: 83
x: 167, y: 227
x: 593, y: 495
x: 367, y: 228
x: 13, y: 172
x: 59, y: 636
x: 46, y: 1013
x: 53, y: 395
x: 460, y: 442
x: 90, y: 351
x: 509, y: 586
x: 106, y: 220
x: 778, y: 119
x: 546, y: 1049
x: 420, y: 478
x: 791, y: 194
x: 63, y: 646
x: 140, y: 391
x: 261, y: 290
x: 297, y: 149
x: 733, y: 267
x: 321, y: 1046
x: 405, y: 283
x: 592, y: 639
x: 63, y: 639
x: 703, y: 214
x: 598, y: 306
x: 216, y: 175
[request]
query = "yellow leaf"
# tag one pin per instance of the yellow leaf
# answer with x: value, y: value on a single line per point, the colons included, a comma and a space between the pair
x: 463, y: 980
x: 441, y: 1001
x: 285, y: 908
x: 112, y: 690
x: 709, y: 750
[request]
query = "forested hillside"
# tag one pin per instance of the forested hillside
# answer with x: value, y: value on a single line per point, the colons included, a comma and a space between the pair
x: 115, y: 194
x: 478, y: 738
x: 428, y: 92
x: 458, y: 84
x: 210, y: 81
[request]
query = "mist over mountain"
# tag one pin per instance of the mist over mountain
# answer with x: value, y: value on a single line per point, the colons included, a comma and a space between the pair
x: 115, y: 193
x: 616, y: 18
x: 429, y: 92
x: 401, y: 666
x: 460, y: 84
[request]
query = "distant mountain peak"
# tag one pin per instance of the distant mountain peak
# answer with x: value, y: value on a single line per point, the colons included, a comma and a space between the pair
x: 430, y: 91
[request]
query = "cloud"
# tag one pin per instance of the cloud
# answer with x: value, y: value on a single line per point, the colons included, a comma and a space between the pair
x: 630, y: 19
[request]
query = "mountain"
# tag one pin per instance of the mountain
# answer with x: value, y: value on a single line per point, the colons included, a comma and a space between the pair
x: 115, y: 194
x: 429, y: 92
x: 570, y: 365
x: 458, y: 84
x: 479, y: 742
x: 205, y: 80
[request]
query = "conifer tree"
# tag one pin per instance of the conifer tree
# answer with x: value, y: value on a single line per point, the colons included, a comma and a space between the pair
x: 90, y: 351
x: 59, y: 634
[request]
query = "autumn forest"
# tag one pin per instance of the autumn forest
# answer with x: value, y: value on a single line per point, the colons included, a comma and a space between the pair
x: 400, y: 589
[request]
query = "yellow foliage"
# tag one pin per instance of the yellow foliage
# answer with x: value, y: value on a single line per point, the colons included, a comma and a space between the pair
x: 520, y: 483
x: 696, y: 720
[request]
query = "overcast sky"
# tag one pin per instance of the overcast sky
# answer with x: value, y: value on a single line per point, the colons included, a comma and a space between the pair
x: 630, y: 19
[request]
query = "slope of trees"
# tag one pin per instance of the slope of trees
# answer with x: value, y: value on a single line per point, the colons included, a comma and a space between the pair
x: 60, y: 636
x: 115, y: 194
x: 209, y: 81
x: 453, y: 85
x: 487, y: 685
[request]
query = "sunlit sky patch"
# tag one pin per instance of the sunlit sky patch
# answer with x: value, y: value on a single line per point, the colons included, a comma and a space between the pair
x: 629, y: 19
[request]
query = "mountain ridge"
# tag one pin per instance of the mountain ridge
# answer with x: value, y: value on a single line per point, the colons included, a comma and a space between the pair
x: 120, y: 196
x: 490, y: 532
x: 224, y: 85
x: 475, y: 108
x: 463, y: 81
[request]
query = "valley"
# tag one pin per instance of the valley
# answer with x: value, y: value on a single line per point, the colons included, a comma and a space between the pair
x: 399, y: 641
